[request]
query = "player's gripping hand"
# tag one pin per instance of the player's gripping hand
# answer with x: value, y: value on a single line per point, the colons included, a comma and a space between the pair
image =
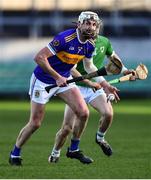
x: 110, y: 90
x: 130, y: 71
x: 61, y: 81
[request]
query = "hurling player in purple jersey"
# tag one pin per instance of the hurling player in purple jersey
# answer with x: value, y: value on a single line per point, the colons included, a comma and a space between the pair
x: 54, y: 63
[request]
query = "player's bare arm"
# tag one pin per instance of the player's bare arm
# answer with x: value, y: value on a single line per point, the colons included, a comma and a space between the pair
x: 76, y: 73
x: 90, y: 67
x: 42, y: 61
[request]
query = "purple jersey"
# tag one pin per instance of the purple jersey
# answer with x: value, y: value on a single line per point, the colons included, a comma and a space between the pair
x: 68, y: 50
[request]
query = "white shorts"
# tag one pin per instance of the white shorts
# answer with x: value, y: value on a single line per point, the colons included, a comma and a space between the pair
x: 88, y: 93
x: 38, y: 93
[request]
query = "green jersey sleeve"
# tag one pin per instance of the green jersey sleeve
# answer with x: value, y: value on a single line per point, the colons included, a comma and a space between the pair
x: 109, y: 50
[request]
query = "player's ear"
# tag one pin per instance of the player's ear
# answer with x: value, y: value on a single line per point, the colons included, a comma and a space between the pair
x: 78, y: 24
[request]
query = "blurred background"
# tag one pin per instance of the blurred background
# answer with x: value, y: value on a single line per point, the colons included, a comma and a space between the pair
x: 26, y: 26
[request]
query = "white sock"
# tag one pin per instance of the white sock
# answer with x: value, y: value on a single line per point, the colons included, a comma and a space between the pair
x: 55, y: 152
x: 100, y: 136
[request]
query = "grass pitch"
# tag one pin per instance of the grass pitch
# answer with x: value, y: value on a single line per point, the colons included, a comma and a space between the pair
x: 130, y: 137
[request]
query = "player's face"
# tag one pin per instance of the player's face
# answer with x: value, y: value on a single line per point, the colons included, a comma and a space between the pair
x: 89, y: 28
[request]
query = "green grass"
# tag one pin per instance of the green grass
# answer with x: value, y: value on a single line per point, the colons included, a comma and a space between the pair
x: 130, y: 137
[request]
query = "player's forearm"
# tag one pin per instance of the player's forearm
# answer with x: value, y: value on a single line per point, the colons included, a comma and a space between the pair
x: 90, y: 67
x: 76, y: 73
x: 104, y: 84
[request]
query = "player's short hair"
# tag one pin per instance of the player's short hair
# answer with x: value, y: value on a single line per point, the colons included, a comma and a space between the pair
x: 85, y: 15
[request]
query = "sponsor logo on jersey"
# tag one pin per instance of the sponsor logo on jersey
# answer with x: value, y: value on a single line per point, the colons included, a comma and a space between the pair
x: 69, y: 58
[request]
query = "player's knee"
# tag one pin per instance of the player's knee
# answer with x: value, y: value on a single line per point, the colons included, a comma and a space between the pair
x: 35, y: 122
x: 35, y: 125
x: 108, y: 115
x: 66, y: 129
x: 83, y: 114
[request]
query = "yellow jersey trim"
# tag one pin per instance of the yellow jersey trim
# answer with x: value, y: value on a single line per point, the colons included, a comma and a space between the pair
x: 70, y: 37
x: 69, y: 58
x: 92, y: 42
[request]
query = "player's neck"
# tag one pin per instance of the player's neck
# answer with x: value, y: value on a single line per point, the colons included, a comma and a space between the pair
x: 80, y: 37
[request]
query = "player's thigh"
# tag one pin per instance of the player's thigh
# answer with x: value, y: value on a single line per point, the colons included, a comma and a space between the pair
x: 38, y: 93
x: 69, y: 114
x: 74, y: 99
x: 37, y: 112
x: 101, y: 105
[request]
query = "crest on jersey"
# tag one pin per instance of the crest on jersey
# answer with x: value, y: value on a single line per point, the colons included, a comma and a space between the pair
x: 56, y: 42
x: 37, y: 94
x: 102, y: 49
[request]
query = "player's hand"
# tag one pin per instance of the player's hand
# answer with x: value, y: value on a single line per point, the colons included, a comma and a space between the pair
x: 93, y: 85
x: 130, y: 71
x: 110, y: 90
x: 61, y: 81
